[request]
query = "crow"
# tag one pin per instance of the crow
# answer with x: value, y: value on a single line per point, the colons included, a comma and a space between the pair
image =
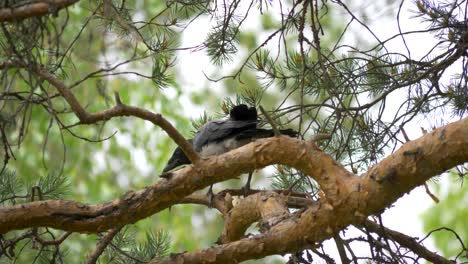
x: 220, y: 136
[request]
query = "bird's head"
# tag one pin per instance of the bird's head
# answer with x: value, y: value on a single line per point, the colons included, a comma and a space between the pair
x: 243, y: 112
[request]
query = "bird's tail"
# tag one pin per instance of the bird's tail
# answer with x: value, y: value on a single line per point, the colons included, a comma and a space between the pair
x: 264, y: 133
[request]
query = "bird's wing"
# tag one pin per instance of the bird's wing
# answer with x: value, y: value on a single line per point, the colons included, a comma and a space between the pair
x: 219, y: 130
x: 177, y: 159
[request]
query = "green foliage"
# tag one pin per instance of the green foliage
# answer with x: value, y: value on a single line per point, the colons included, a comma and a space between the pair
x: 9, y: 184
x: 286, y: 178
x: 54, y: 186
x: 198, y: 123
x: 14, y: 188
x: 221, y: 43
x: 450, y: 214
x: 124, y: 249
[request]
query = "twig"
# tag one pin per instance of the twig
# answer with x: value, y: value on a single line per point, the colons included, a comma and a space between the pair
x: 341, y: 249
x: 407, y: 242
x: 270, y: 120
x: 102, y: 244
x: 428, y: 191
x: 57, y: 241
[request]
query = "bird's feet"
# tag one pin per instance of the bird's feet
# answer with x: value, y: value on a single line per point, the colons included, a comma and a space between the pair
x: 246, y: 188
x: 210, y: 196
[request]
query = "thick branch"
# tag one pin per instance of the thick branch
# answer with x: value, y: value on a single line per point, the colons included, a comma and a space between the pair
x: 349, y: 199
x: 21, y: 11
x: 72, y: 216
x: 409, y: 167
x: 407, y: 242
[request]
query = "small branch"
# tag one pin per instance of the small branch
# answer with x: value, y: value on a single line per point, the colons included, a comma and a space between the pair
x: 118, y: 110
x: 428, y: 192
x: 320, y: 137
x: 21, y: 11
x: 241, y: 192
x: 102, y: 244
x: 118, y: 101
x: 271, y: 121
x: 341, y: 249
x: 218, y: 202
x: 407, y: 242
x: 222, y: 201
x: 57, y: 241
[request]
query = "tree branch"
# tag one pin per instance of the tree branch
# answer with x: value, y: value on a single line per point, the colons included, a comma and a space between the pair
x: 341, y: 249
x: 102, y: 244
x: 349, y: 199
x: 219, y: 202
x: 118, y: 110
x: 407, y: 242
x: 409, y: 167
x: 21, y: 11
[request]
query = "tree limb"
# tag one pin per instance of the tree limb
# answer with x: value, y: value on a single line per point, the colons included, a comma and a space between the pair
x: 341, y: 248
x: 409, y: 167
x: 21, y: 11
x: 349, y: 199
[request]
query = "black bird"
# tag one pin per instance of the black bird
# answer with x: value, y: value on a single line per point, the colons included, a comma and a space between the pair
x: 220, y: 136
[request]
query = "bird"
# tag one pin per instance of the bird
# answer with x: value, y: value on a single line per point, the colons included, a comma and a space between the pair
x: 220, y: 136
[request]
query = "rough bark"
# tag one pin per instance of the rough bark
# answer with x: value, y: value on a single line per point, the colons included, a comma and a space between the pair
x: 371, y: 193
x: 349, y: 198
